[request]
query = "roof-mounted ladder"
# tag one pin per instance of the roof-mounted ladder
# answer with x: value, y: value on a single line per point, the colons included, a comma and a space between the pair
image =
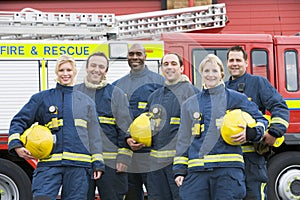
x: 34, y: 24
x: 177, y: 20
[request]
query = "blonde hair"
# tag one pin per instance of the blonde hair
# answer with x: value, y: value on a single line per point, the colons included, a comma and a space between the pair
x: 63, y: 59
x: 214, y: 60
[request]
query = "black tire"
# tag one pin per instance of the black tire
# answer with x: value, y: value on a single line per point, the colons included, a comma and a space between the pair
x: 14, y: 182
x: 284, y: 176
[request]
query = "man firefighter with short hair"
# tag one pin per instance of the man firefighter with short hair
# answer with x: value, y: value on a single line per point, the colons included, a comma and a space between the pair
x: 260, y: 91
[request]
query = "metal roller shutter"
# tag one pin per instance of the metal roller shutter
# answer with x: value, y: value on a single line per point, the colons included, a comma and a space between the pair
x: 19, y: 80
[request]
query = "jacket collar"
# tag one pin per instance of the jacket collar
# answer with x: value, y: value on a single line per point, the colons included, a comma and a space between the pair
x: 216, y: 90
x: 238, y: 79
x: 64, y: 88
x: 138, y: 74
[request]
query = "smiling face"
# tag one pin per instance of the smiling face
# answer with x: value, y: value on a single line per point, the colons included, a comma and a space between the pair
x: 236, y: 64
x: 212, y: 71
x: 136, y: 57
x: 211, y: 75
x: 171, y: 67
x: 96, y: 69
x: 66, y: 73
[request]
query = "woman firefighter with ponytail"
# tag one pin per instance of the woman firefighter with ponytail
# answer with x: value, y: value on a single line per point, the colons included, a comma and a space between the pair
x: 76, y: 154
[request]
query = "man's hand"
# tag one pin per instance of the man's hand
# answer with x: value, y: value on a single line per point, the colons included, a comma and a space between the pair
x: 134, y: 145
x: 97, y: 174
x: 24, y: 153
x: 269, y: 139
x: 179, y: 180
x: 121, y: 167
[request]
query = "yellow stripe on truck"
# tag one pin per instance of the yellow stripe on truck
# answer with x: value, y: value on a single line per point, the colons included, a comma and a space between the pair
x: 43, y: 75
x: 154, y: 51
x: 78, y: 49
x: 293, y: 104
x: 49, y: 50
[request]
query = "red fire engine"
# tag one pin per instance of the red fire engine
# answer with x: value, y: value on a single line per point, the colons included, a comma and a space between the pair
x: 274, y: 57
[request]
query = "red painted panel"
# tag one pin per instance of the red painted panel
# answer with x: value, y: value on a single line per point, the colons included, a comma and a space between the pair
x: 277, y: 17
x: 118, y: 7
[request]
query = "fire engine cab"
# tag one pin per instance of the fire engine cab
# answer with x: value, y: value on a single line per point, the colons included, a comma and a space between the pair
x: 31, y: 41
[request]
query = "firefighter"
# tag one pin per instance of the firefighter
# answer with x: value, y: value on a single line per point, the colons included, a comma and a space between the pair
x: 261, y: 92
x: 205, y: 166
x: 114, y: 117
x: 77, y: 149
x: 138, y: 85
x: 165, y: 104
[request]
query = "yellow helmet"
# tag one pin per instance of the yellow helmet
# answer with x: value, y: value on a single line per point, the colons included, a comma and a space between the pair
x: 38, y: 140
x: 230, y: 124
x: 140, y: 129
